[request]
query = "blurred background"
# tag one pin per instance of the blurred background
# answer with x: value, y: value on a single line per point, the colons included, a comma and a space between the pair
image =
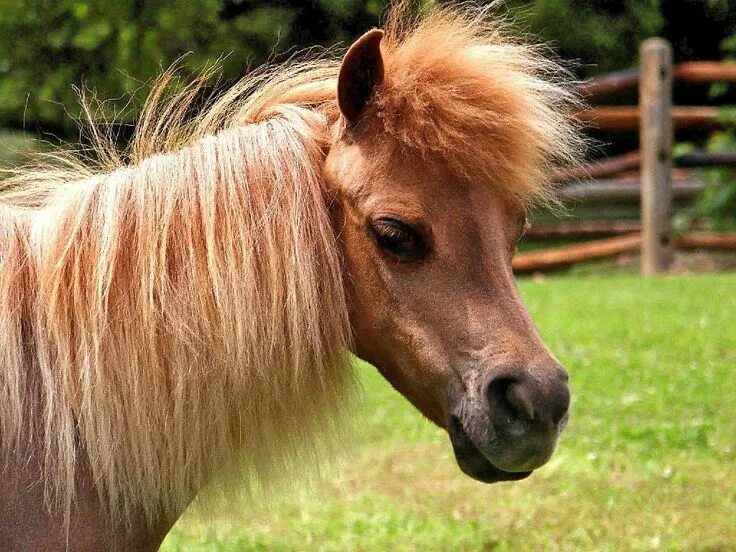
x: 48, y: 49
x: 647, y: 462
x: 114, y: 46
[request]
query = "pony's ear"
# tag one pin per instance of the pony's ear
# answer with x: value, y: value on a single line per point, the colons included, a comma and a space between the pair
x: 361, y: 72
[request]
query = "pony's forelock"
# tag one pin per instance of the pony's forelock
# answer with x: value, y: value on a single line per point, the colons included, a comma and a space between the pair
x: 460, y: 89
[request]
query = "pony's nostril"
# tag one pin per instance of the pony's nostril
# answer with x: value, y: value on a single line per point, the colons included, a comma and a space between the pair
x: 517, y: 396
x: 515, y: 402
x: 509, y: 401
x: 527, y: 412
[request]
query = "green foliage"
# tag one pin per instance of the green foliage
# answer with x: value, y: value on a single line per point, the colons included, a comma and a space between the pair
x: 718, y: 201
x: 725, y: 9
x: 603, y: 36
x: 113, y: 46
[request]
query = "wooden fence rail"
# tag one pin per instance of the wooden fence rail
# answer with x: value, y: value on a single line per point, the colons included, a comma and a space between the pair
x: 691, y: 72
x: 612, y: 166
x: 558, y: 257
x: 625, y: 191
x: 601, y: 228
x: 623, y: 118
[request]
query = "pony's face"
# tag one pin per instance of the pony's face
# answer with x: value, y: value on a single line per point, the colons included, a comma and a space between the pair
x: 432, y: 299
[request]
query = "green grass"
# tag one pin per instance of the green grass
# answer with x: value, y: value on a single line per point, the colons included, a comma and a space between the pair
x: 648, y: 460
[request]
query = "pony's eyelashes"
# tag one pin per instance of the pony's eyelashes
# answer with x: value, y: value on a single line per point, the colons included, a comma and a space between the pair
x: 400, y: 240
x: 525, y: 226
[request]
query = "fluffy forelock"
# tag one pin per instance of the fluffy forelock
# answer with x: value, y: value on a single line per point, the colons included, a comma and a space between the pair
x: 460, y: 89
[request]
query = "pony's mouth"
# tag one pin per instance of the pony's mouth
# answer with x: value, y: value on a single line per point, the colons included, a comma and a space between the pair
x: 473, y: 462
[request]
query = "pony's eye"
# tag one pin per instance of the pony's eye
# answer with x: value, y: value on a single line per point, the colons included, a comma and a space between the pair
x: 398, y: 239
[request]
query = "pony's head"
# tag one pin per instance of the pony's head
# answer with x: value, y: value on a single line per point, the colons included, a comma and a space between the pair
x: 447, y: 129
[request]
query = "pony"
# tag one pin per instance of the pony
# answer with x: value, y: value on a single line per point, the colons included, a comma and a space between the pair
x: 178, y: 316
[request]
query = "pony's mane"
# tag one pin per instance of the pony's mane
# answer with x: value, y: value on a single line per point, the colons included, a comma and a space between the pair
x: 176, y: 309
x: 173, y: 315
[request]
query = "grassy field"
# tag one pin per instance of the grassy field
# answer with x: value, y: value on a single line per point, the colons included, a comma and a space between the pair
x: 647, y: 461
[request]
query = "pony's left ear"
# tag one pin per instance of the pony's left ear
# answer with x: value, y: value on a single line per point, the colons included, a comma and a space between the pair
x: 361, y: 72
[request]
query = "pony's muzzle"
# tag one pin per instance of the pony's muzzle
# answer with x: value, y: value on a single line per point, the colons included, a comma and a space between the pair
x: 527, y: 414
x: 515, y: 431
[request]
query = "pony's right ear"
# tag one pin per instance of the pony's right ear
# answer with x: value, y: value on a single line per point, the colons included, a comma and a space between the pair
x: 360, y: 73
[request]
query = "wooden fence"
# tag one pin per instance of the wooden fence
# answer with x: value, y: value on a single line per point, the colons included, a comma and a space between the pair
x: 652, y: 175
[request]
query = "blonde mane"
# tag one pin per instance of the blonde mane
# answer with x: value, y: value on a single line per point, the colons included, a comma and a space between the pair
x: 177, y: 310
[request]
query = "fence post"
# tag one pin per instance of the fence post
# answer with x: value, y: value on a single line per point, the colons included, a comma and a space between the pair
x: 656, y: 136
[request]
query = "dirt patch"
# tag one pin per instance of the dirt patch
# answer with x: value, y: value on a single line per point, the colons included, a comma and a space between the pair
x: 703, y: 261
